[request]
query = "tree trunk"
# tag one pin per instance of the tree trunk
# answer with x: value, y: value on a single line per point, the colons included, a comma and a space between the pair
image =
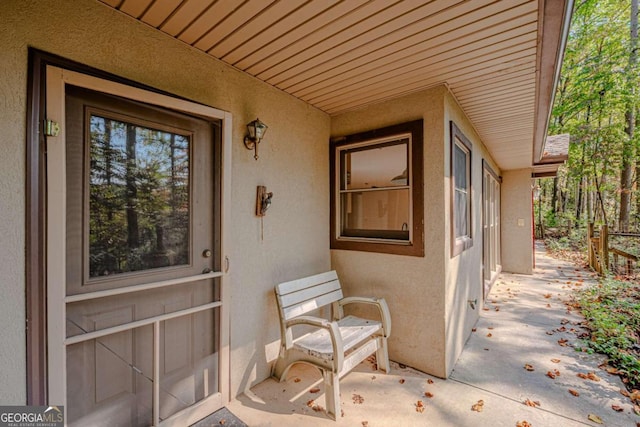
x: 626, y: 173
x: 133, y: 239
x: 554, y: 196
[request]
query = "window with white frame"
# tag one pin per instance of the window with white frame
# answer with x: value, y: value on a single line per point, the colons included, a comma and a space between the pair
x: 461, y: 148
x: 377, y: 190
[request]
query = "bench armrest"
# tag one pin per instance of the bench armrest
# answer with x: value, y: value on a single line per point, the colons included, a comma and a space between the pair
x: 381, y: 303
x: 334, y: 334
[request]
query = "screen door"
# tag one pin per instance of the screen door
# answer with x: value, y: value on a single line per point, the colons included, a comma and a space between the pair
x: 141, y: 250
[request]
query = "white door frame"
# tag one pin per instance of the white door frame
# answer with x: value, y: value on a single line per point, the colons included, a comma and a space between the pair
x: 56, y: 80
x: 491, y: 266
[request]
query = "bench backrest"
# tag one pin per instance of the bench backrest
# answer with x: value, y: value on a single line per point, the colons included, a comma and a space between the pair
x: 301, y: 296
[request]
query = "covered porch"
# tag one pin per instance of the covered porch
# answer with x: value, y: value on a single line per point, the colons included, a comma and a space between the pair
x: 478, y: 77
x: 523, y: 322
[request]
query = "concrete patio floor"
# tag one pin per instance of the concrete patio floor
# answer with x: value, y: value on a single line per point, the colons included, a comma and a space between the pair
x: 521, y: 324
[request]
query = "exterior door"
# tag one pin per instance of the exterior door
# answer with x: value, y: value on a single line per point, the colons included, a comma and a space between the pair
x: 490, y: 228
x: 135, y: 255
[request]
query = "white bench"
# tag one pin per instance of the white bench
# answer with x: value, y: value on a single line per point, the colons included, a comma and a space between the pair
x: 335, y: 347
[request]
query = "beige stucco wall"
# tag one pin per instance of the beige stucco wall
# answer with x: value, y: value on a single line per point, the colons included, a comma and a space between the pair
x: 293, y: 164
x: 517, y: 237
x: 428, y: 297
x: 412, y: 286
x: 463, y: 280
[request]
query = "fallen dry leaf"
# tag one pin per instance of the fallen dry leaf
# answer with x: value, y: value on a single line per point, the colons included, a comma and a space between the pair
x: 547, y: 295
x: 574, y: 392
x: 564, y: 321
x: 429, y: 381
x: 314, y: 390
x: 635, y: 396
x: 636, y: 409
x: 428, y: 394
x: 310, y: 403
x: 357, y: 399
x: 555, y: 360
x: 548, y: 305
x: 590, y: 376
x: 222, y: 422
x: 296, y: 380
x: 554, y: 373
x: 497, y: 308
x: 532, y: 403
x: 529, y: 367
x: 365, y: 423
x: 595, y: 418
x: 549, y: 332
x: 474, y: 329
x: 625, y: 393
x: 490, y: 327
x: 523, y: 424
x: 563, y: 342
x: 419, y: 406
x: 489, y: 335
x: 610, y: 370
x: 401, y: 380
x: 617, y: 408
x: 478, y: 406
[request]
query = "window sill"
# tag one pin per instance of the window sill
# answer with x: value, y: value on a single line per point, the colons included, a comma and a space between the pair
x: 460, y: 245
x: 379, y: 246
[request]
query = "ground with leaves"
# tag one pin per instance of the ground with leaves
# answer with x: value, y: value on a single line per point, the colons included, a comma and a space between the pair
x: 519, y: 368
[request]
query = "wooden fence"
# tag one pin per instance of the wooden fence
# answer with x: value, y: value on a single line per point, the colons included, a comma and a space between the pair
x: 599, y: 252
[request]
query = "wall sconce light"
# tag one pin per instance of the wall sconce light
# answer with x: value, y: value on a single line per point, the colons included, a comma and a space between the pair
x: 256, y: 131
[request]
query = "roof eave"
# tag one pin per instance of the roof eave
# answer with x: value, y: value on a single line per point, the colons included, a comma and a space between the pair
x: 554, y: 18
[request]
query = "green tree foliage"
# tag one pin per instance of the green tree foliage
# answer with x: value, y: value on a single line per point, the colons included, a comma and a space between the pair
x: 596, y: 91
x: 138, y: 198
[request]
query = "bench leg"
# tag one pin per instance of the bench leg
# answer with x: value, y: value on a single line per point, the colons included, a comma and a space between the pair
x: 332, y: 393
x: 281, y: 368
x: 382, y: 356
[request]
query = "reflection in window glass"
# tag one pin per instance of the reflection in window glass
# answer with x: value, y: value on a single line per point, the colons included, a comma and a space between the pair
x: 379, y: 166
x: 139, y: 198
x: 382, y: 214
x: 461, y: 192
x: 375, y: 190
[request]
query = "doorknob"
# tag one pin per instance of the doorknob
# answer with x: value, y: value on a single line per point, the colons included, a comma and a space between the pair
x: 206, y: 253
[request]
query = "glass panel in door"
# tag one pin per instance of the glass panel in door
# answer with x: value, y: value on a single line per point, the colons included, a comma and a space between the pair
x: 143, y: 226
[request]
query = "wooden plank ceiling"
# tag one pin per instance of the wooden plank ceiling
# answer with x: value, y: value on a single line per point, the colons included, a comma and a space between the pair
x: 341, y: 55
